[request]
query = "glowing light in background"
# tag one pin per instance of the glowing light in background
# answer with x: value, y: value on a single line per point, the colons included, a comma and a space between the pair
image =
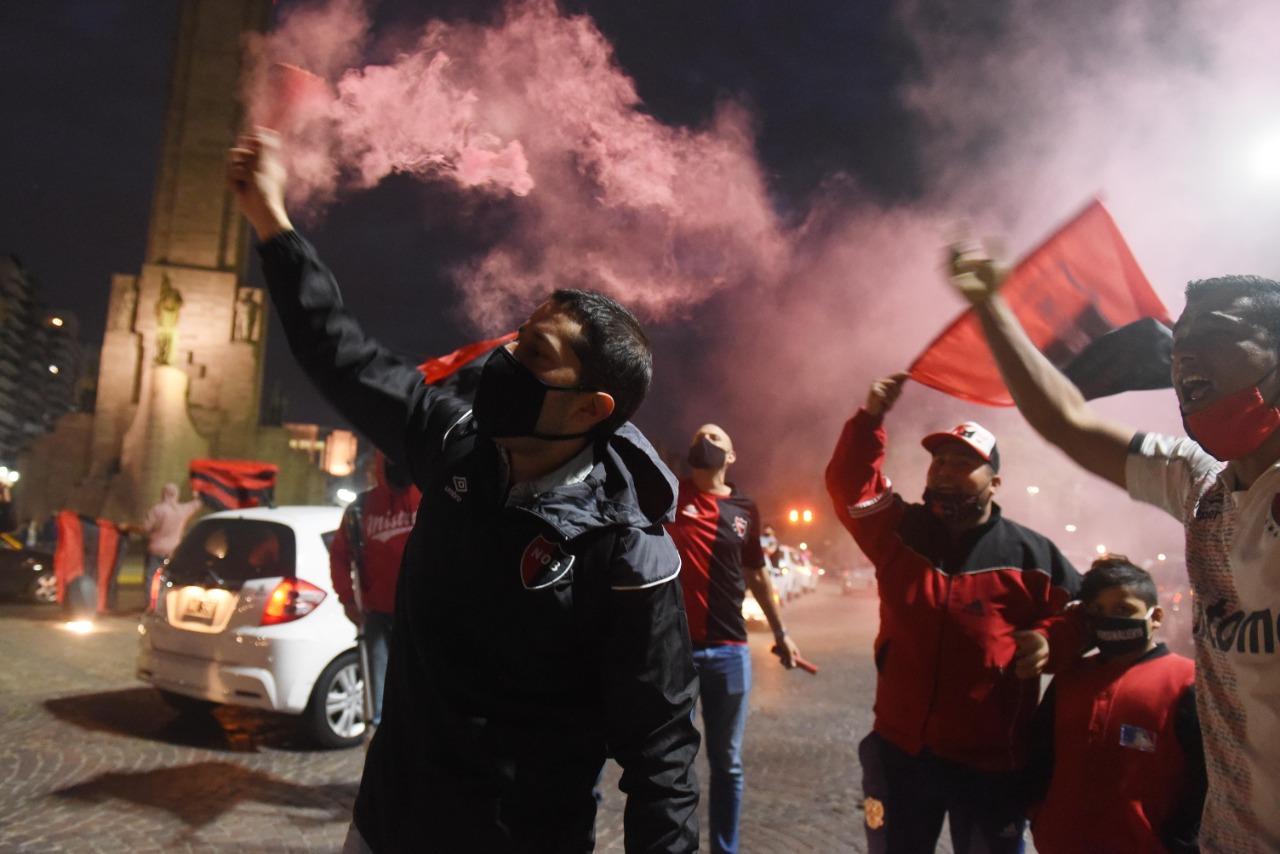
x: 793, y: 516
x: 1264, y: 160
x: 55, y: 321
x: 345, y: 496
x: 1101, y: 549
x: 1161, y: 556
x: 78, y: 627
x: 807, y: 516
x: 1071, y: 529
x: 1033, y: 490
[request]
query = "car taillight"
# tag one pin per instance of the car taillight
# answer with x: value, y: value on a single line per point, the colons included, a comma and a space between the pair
x: 153, y: 595
x: 292, y: 598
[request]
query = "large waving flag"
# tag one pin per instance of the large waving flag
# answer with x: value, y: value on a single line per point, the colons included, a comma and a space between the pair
x: 1085, y: 304
x: 233, y: 484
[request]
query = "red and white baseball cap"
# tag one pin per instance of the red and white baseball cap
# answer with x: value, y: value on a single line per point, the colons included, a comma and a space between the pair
x: 973, y: 434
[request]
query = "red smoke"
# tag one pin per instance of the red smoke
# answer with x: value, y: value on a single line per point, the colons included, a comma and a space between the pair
x: 535, y: 107
x: 1158, y: 108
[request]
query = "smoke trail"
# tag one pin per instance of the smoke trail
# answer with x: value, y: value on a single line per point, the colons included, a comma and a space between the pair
x: 535, y: 108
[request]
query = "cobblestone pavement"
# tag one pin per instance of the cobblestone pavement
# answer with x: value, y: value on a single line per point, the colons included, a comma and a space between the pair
x: 92, y: 760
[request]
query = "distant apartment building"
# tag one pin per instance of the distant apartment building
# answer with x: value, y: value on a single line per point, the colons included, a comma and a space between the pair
x: 41, y: 361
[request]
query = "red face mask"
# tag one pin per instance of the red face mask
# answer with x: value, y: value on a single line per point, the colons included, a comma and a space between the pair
x: 1234, y: 426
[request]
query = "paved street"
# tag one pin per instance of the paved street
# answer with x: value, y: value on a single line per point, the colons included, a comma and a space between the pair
x: 91, y: 760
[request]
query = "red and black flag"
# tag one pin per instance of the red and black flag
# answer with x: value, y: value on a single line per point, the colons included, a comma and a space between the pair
x: 1084, y: 301
x: 233, y: 484
x: 89, y: 547
x: 459, y: 372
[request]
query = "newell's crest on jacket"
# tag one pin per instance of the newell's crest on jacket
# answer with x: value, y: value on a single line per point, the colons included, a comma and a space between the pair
x: 543, y: 563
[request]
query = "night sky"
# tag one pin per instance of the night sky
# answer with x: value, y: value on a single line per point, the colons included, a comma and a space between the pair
x: 84, y: 126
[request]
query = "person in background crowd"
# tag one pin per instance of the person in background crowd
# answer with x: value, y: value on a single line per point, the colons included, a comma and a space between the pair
x: 370, y: 545
x: 717, y: 532
x: 163, y: 527
x: 1117, y: 764
x: 968, y: 602
x: 1221, y: 483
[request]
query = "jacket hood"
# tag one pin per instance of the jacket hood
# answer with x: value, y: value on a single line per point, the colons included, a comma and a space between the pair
x: 629, y: 485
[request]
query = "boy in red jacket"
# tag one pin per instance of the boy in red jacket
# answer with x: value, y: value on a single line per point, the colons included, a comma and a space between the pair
x: 371, y: 540
x: 1117, y: 763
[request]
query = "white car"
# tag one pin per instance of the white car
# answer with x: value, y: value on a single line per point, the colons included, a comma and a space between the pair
x: 244, y: 614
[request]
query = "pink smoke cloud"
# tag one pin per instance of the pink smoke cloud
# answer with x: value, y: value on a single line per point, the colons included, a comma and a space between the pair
x: 535, y: 107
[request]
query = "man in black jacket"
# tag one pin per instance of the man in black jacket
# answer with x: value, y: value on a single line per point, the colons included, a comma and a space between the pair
x: 543, y: 625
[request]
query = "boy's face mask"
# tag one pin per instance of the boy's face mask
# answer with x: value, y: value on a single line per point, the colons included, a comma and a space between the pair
x: 1121, y: 635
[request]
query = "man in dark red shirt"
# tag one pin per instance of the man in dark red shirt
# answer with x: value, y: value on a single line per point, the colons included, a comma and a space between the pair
x: 968, y: 602
x: 717, y: 532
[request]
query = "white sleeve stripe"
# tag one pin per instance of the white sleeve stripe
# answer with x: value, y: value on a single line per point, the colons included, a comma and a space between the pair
x: 662, y: 580
x: 871, y: 505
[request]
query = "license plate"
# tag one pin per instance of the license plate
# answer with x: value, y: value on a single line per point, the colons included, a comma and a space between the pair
x: 200, y: 611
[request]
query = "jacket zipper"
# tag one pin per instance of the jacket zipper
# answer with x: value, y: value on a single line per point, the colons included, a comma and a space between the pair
x: 944, y: 611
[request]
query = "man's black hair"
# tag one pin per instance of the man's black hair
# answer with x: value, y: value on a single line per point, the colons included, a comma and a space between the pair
x: 613, y: 349
x: 1118, y: 571
x: 1263, y: 294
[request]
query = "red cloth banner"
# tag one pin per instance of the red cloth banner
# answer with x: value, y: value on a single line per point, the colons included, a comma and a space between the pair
x: 233, y: 484
x: 443, y: 367
x: 88, y: 546
x: 1080, y: 284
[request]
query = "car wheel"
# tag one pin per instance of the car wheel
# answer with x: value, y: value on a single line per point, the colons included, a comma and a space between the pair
x: 335, y: 715
x: 184, y: 705
x: 45, y: 588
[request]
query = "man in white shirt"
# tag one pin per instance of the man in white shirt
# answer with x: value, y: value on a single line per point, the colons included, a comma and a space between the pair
x: 1223, y: 485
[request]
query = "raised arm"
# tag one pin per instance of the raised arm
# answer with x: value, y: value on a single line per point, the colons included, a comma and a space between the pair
x: 1050, y: 402
x: 382, y: 394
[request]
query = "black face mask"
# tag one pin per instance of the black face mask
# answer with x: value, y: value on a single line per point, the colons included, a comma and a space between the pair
x: 705, y: 454
x: 954, y: 507
x: 509, y: 399
x: 1121, y: 635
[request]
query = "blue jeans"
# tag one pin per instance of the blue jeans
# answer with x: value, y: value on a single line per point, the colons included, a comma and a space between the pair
x: 377, y: 638
x: 907, y: 796
x: 724, y: 674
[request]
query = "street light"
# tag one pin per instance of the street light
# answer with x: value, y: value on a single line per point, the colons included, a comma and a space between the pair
x: 807, y: 515
x: 793, y: 516
x: 55, y: 321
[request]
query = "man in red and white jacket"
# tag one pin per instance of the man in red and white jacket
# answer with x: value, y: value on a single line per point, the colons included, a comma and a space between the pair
x: 371, y: 541
x: 969, y: 602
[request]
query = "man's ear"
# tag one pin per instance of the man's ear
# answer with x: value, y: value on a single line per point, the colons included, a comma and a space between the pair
x: 1157, y: 617
x: 730, y: 458
x: 600, y: 405
x: 995, y: 482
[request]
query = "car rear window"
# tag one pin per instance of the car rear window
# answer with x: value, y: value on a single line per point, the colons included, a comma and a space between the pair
x: 229, y: 552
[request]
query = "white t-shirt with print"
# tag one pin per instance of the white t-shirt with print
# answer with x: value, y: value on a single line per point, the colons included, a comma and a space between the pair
x: 1233, y: 560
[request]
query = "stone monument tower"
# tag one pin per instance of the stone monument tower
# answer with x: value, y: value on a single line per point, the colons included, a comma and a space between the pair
x: 180, y: 374
x: 181, y: 367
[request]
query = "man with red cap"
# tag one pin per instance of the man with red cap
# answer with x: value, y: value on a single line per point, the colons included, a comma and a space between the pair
x: 969, y: 602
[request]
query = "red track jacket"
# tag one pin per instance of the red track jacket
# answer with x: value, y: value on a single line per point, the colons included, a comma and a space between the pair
x: 948, y: 611
x: 386, y: 518
x: 1117, y: 758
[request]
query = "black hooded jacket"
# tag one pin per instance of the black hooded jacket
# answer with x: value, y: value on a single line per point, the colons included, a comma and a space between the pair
x: 531, y: 641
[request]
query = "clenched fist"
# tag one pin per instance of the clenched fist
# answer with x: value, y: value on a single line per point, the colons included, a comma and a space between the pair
x: 256, y: 176
x: 885, y: 392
